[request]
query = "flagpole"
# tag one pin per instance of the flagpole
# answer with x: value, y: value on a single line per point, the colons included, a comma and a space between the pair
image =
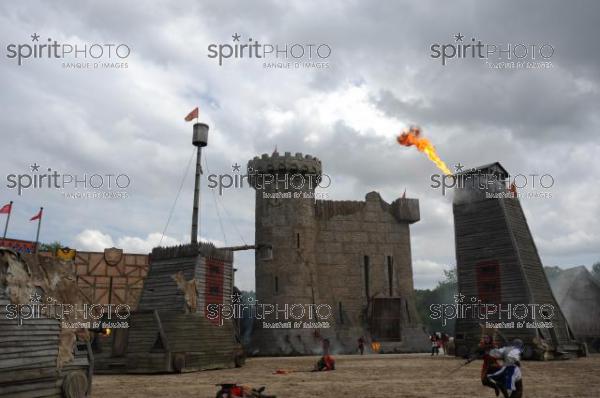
x: 37, y: 236
x: 7, y: 220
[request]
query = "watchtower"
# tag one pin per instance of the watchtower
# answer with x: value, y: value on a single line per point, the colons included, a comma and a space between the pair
x: 285, y: 221
x: 498, y: 264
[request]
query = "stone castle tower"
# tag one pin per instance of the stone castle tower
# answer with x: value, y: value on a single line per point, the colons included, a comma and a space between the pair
x: 351, y: 259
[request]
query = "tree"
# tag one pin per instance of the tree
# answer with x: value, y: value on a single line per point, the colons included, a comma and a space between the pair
x: 450, y: 277
x: 443, y: 293
x: 596, y: 270
x: 247, y: 321
x: 50, y: 247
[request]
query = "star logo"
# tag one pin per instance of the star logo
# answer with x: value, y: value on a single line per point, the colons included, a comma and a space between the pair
x: 459, y: 167
x: 459, y: 37
x: 35, y: 298
x: 236, y: 167
x: 236, y: 37
x: 35, y: 37
x: 35, y: 167
x: 459, y: 298
x: 236, y: 298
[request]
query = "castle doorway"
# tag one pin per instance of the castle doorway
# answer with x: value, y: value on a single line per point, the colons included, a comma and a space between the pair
x: 386, y: 319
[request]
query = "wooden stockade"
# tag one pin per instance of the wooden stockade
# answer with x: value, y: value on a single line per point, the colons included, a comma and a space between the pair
x: 498, y: 263
x: 170, y: 331
x: 29, y: 351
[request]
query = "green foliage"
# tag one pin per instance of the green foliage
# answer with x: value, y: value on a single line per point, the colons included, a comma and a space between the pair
x: 449, y: 277
x: 50, y: 247
x: 443, y: 293
x: 247, y: 322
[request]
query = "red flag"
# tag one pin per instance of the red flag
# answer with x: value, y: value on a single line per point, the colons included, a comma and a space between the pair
x: 192, y: 115
x: 6, y: 208
x: 37, y: 216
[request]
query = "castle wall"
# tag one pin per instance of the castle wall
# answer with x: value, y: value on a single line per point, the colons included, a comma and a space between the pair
x: 343, y: 241
x: 318, y: 257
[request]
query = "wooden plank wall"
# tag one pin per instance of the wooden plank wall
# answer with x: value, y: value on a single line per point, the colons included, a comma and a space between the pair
x: 482, y: 235
x: 206, y: 346
x: 532, y: 266
x: 141, y: 357
x: 160, y: 290
x: 28, y: 355
x: 160, y: 314
x: 495, y: 230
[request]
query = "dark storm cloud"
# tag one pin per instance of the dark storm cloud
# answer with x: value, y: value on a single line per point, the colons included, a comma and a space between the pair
x: 534, y: 106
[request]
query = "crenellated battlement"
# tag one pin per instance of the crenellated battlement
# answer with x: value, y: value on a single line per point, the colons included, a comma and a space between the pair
x: 285, y: 164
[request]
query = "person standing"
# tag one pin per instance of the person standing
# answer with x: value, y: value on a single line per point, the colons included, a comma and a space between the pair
x: 434, y: 344
x: 445, y: 339
x: 361, y: 345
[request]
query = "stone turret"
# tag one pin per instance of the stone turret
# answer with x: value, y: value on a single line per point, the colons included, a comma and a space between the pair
x: 285, y: 220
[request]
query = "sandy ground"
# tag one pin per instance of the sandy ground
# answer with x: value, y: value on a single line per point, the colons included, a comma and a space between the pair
x: 376, y: 376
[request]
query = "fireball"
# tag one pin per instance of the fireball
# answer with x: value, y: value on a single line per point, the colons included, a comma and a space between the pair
x: 412, y: 137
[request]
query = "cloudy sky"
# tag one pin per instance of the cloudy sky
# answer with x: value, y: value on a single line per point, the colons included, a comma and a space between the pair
x: 380, y: 78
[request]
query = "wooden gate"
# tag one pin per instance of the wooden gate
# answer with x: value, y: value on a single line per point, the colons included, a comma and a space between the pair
x: 386, y: 321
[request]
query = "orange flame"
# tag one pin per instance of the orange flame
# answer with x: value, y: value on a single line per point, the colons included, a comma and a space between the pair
x: 410, y: 137
x: 375, y: 346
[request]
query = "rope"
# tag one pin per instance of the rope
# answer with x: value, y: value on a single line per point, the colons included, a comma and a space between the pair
x: 216, y: 205
x: 177, y: 196
x: 219, y: 201
x: 234, y: 224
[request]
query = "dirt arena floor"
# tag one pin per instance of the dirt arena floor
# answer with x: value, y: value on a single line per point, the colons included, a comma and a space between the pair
x: 369, y: 376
